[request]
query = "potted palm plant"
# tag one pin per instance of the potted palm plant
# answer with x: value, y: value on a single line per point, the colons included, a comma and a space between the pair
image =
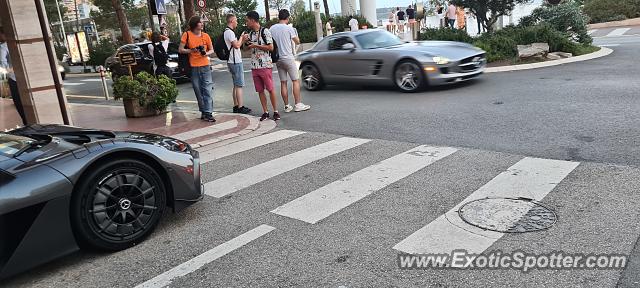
x: 145, y: 95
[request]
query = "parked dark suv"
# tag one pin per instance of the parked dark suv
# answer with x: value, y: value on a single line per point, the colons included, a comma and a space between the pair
x: 144, y: 62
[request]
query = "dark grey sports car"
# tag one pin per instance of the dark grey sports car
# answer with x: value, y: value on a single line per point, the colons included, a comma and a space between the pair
x: 63, y: 187
x: 377, y: 56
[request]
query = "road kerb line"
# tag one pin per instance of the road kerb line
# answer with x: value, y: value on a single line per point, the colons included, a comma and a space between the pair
x: 199, y: 261
x: 531, y: 178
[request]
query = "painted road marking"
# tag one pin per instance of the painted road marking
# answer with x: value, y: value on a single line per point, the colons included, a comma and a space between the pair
x: 590, y: 32
x: 206, y: 130
x: 199, y: 261
x: 335, y: 196
x: 531, y: 178
x: 92, y: 80
x: 245, y: 145
x: 609, y: 45
x: 618, y: 32
x: 72, y: 84
x: 256, y: 174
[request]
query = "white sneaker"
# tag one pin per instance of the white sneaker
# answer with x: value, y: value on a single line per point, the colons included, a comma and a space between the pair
x: 288, y: 108
x: 301, y: 107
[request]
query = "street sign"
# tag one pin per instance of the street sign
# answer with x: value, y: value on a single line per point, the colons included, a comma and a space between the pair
x: 127, y: 59
x: 202, y: 4
x: 204, y: 18
x: 157, y: 7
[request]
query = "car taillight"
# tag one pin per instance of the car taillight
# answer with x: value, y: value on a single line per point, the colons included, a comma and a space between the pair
x: 189, y: 169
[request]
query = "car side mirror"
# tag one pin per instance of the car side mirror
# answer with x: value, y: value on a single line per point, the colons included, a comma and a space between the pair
x: 349, y: 46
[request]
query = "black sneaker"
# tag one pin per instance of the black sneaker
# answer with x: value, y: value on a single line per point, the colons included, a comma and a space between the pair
x: 244, y: 110
x: 265, y: 116
x: 209, y: 118
x: 276, y: 116
x: 236, y: 109
x: 202, y: 116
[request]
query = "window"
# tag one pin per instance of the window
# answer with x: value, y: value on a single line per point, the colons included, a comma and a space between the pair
x: 336, y: 43
x: 378, y: 39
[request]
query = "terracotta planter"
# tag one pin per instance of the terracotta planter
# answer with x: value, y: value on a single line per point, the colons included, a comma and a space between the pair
x: 133, y: 109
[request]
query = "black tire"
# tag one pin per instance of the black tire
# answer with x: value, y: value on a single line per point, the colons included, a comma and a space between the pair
x: 117, y: 205
x: 409, y: 77
x: 311, y: 77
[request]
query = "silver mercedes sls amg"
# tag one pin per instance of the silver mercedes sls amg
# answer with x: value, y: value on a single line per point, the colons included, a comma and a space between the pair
x: 377, y: 56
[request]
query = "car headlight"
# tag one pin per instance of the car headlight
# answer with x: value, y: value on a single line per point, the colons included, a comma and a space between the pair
x: 175, y: 145
x: 441, y: 60
x: 172, y: 64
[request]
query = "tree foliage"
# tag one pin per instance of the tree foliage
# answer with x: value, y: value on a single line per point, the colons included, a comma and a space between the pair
x: 489, y: 11
x: 279, y: 4
x: 241, y: 7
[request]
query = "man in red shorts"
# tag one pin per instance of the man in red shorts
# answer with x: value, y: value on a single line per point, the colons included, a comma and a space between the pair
x: 261, y: 44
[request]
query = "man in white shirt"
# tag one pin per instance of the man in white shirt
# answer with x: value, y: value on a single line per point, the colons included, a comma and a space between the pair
x: 285, y: 36
x: 353, y: 23
x: 235, y: 63
x: 5, y: 65
x: 329, y: 28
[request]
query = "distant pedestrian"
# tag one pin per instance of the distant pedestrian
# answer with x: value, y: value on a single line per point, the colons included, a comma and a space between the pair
x: 479, y: 21
x: 461, y: 17
x: 328, y: 27
x: 158, y: 50
x: 197, y: 44
x: 392, y: 21
x: 451, y: 15
x: 234, y: 63
x: 440, y: 15
x: 353, y: 23
x: 261, y: 44
x: 401, y: 19
x: 285, y: 37
x: 411, y: 16
x: 5, y: 63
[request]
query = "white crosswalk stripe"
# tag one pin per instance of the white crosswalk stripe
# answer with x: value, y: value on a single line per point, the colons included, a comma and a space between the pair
x: 531, y: 178
x: 333, y: 197
x: 241, y: 146
x: 618, y: 32
x: 256, y: 174
x: 206, y: 130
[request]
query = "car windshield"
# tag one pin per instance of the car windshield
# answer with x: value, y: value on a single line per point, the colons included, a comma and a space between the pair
x: 12, y: 144
x: 378, y: 39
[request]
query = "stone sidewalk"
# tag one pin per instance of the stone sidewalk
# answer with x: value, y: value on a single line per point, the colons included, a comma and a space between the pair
x: 180, y: 124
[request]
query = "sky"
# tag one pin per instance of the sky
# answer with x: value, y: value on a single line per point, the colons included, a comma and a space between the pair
x: 334, y: 5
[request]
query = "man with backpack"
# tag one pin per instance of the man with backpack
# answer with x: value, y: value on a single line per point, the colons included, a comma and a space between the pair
x: 227, y: 47
x: 158, y: 50
x: 285, y: 36
x: 262, y: 50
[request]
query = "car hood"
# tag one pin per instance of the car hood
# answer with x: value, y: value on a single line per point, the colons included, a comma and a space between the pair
x: 449, y: 49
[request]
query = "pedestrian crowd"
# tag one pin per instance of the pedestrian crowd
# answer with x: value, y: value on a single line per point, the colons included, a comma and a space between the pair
x: 269, y: 47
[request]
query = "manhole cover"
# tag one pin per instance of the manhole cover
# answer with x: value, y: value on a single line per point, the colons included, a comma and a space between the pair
x: 507, y: 215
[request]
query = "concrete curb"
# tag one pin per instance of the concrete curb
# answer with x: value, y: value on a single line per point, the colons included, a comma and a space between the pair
x: 604, y: 51
x: 622, y: 23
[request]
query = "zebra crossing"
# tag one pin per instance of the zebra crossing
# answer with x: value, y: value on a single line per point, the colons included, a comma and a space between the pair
x: 614, y: 32
x: 325, y: 210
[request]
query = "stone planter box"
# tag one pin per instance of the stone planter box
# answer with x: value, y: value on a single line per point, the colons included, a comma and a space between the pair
x: 133, y: 109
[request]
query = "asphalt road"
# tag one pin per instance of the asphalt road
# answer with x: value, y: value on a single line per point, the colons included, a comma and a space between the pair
x: 385, y: 199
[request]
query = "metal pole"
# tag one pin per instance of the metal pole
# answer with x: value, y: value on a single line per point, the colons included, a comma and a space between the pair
x: 151, y: 24
x: 84, y: 63
x: 105, y: 90
x: 64, y: 33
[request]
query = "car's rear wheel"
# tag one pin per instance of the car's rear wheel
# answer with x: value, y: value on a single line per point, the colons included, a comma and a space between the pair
x: 117, y: 205
x: 311, y: 77
x: 409, y: 77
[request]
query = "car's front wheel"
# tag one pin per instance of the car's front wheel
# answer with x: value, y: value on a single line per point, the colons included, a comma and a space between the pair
x: 409, y: 77
x: 311, y: 77
x: 117, y: 205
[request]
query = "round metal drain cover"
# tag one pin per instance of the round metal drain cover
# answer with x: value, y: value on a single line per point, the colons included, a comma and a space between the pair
x: 507, y: 215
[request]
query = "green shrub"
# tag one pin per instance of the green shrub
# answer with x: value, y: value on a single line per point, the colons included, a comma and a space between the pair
x: 498, y: 47
x: 445, y: 34
x: 340, y: 23
x: 611, y: 10
x: 148, y: 90
x: 101, y: 52
x: 566, y: 17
